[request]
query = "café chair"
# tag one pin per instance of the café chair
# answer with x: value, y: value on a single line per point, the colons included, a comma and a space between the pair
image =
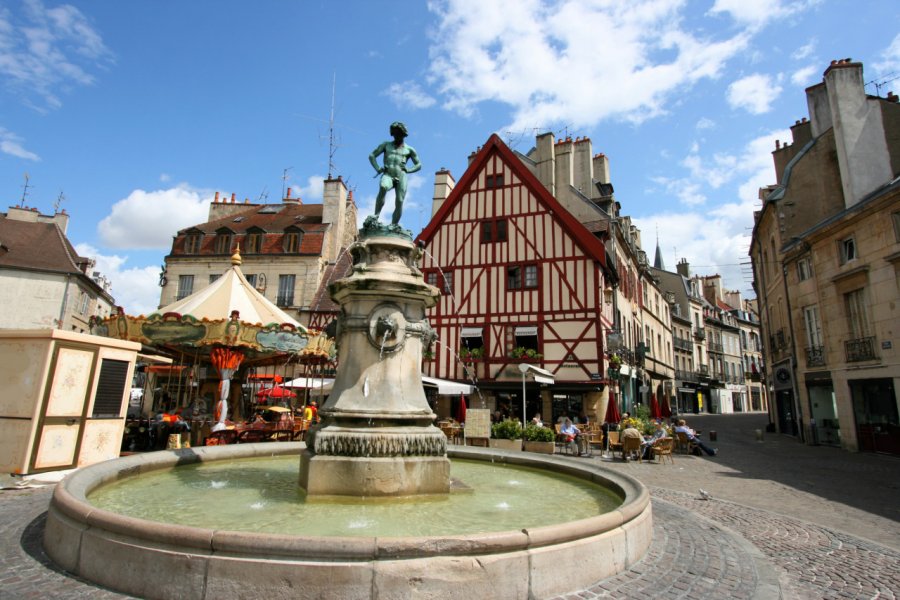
x: 662, y: 449
x: 631, y: 445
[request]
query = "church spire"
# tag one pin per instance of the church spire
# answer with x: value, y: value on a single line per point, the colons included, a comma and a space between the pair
x: 658, y: 260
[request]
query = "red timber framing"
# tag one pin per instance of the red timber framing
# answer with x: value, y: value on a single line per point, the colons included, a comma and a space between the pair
x: 562, y: 311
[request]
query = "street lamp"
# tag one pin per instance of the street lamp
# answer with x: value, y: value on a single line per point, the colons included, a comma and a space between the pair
x: 540, y: 375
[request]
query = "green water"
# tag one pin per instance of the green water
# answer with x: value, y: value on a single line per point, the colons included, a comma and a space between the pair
x: 261, y: 495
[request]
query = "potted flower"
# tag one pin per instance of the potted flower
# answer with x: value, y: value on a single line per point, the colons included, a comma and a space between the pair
x: 506, y: 435
x: 468, y: 355
x: 522, y: 352
x: 539, y: 439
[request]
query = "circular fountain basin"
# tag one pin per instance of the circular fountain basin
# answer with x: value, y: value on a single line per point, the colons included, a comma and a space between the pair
x: 152, y: 559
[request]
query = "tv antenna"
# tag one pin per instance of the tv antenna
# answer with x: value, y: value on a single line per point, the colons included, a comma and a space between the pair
x: 59, y: 200
x: 24, y: 191
x: 880, y: 83
x: 332, y: 148
x: 284, y: 178
x: 263, y: 195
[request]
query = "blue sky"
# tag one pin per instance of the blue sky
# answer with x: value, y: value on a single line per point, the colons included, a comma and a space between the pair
x: 139, y: 111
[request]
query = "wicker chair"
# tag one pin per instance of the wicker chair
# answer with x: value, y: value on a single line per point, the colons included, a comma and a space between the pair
x: 629, y: 445
x: 683, y: 444
x: 663, y: 448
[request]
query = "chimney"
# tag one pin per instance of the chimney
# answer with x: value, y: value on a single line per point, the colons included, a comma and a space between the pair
x: 601, y: 168
x: 583, y: 168
x: 443, y: 185
x: 334, y: 211
x: 288, y: 200
x: 216, y: 198
x: 564, y: 158
x: 801, y: 132
x: 545, y: 161
x: 859, y: 133
x: 232, y: 197
x: 683, y: 268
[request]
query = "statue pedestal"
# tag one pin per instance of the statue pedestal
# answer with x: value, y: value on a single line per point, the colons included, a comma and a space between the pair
x: 377, y: 436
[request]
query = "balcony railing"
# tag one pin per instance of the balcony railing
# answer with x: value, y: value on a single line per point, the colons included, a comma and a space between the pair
x: 715, y: 347
x: 700, y: 333
x: 860, y: 349
x: 815, y: 356
x: 682, y: 343
x: 284, y: 300
x: 703, y: 370
x: 685, y: 375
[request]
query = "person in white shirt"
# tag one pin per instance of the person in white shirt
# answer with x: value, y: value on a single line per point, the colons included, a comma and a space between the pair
x: 692, y: 436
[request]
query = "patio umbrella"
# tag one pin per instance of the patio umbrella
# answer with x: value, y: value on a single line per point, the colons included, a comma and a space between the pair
x: 665, y: 410
x: 461, y: 411
x: 275, y: 392
x: 612, y: 409
x: 654, y: 407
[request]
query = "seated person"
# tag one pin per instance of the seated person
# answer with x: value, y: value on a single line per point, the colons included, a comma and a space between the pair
x: 648, y: 443
x: 537, y: 420
x: 630, y: 432
x: 573, y: 436
x: 692, y: 436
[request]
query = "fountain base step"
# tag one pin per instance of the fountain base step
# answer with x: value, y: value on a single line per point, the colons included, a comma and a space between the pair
x: 377, y: 476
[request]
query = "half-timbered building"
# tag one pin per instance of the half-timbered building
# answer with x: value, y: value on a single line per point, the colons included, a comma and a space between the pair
x: 522, y: 280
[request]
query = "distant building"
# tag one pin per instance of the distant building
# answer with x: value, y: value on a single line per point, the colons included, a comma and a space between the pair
x: 288, y: 250
x: 44, y: 284
x: 826, y: 258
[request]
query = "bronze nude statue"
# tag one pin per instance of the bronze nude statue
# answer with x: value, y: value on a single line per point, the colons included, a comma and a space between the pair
x: 393, y: 173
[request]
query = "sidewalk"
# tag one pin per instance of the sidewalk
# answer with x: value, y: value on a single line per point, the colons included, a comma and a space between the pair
x: 785, y: 521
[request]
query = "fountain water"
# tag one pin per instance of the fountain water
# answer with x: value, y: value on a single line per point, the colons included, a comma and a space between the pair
x: 376, y: 439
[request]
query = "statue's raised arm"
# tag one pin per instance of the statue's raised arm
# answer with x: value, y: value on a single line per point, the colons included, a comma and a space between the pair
x: 393, y: 172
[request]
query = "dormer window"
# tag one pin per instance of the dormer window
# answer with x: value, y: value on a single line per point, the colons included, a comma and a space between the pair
x: 192, y: 242
x: 253, y: 241
x: 293, y: 237
x: 223, y: 241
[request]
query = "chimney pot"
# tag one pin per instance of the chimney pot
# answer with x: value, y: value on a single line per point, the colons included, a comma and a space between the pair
x: 289, y: 192
x: 217, y: 197
x: 232, y: 197
x: 777, y: 144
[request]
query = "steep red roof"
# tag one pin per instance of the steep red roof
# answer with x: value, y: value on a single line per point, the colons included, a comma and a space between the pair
x: 589, y: 243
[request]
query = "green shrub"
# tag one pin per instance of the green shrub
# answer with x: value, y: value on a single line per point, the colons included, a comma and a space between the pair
x: 506, y: 430
x: 536, y: 433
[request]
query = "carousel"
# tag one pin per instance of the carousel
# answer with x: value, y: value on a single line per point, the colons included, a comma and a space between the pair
x: 230, y: 327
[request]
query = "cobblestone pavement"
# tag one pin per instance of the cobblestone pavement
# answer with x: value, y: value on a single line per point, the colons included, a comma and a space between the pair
x: 783, y: 522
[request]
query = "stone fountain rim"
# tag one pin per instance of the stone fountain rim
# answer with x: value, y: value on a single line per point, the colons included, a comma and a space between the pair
x: 70, y: 499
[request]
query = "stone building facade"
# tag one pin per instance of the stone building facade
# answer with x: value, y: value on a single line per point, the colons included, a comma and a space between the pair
x: 826, y: 255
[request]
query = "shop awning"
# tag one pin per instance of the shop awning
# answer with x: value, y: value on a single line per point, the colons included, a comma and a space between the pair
x: 526, y: 331
x: 313, y: 383
x: 472, y: 332
x: 448, y: 388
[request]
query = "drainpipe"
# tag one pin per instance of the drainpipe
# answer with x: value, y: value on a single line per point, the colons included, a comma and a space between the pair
x: 62, y: 308
x: 784, y: 272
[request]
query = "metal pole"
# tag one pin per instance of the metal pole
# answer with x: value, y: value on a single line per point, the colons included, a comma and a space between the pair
x: 523, y: 399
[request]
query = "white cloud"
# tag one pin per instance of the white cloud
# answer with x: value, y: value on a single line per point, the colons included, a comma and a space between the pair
x: 148, y: 220
x: 541, y: 58
x: 753, y: 93
x: 11, y: 144
x: 889, y: 61
x: 136, y: 289
x: 805, y: 51
x: 165, y: 177
x: 705, y: 123
x: 44, y: 51
x: 409, y: 94
x: 314, y: 188
x: 805, y: 76
x: 716, y: 239
x: 758, y: 12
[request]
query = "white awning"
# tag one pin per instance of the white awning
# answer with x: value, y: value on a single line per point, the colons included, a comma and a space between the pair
x: 472, y: 332
x: 312, y: 383
x: 523, y: 331
x: 448, y: 388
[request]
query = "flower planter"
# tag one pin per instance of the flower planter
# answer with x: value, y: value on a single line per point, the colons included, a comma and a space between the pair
x: 542, y: 447
x: 510, y: 445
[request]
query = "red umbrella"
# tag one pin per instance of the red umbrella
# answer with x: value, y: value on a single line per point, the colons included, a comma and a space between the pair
x: 665, y: 410
x: 461, y: 411
x: 275, y: 392
x: 654, y: 408
x: 612, y: 409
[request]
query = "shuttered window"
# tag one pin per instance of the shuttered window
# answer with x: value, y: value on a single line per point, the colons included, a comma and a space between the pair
x: 110, y: 388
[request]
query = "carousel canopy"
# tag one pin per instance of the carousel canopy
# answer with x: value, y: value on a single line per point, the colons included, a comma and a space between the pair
x: 230, y: 292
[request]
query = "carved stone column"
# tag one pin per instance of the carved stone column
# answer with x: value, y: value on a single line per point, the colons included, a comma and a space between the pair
x: 377, y: 436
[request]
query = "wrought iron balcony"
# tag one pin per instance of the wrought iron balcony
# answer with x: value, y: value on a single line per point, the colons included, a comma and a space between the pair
x: 700, y: 333
x: 860, y: 349
x: 685, y: 375
x: 815, y: 356
x: 681, y: 343
x: 715, y: 347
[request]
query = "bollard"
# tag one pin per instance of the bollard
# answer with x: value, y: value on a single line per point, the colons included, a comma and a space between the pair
x: 759, y: 435
x: 712, y: 436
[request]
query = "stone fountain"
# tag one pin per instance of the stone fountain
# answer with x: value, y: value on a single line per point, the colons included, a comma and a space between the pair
x: 377, y: 436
